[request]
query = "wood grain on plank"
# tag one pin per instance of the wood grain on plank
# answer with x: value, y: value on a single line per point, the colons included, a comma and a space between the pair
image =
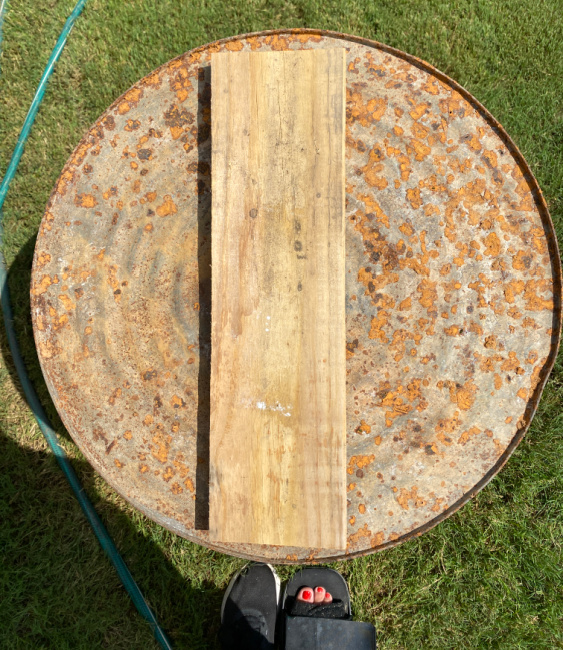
x: 278, y: 421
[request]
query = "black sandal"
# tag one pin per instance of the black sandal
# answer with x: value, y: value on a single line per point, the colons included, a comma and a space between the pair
x: 250, y: 609
x: 324, y: 625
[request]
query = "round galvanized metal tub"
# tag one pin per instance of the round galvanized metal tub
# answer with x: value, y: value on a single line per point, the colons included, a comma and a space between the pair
x: 453, y: 289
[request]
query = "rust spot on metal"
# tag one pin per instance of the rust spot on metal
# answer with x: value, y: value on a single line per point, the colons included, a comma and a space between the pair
x: 167, y: 208
x: 363, y: 427
x: 85, y: 200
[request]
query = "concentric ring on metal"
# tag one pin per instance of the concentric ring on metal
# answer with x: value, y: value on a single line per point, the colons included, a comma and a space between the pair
x: 453, y: 289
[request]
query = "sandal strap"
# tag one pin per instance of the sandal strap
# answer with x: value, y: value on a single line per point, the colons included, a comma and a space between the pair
x: 336, y: 609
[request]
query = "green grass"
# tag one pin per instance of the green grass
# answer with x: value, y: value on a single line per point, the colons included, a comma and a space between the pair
x: 488, y: 577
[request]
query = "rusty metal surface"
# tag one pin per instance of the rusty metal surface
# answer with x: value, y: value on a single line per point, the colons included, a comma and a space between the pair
x: 453, y: 294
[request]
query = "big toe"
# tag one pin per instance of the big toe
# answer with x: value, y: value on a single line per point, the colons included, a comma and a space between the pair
x: 306, y: 595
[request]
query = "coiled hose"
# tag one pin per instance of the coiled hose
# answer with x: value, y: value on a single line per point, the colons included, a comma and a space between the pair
x: 30, y: 394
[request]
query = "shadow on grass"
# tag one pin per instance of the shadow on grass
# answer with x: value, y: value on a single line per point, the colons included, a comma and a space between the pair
x: 57, y: 587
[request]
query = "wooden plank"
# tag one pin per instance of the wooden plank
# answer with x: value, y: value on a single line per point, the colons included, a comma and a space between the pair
x: 278, y: 420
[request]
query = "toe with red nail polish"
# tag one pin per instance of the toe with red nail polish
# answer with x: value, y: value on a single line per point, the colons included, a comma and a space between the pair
x: 319, y: 594
x: 306, y: 595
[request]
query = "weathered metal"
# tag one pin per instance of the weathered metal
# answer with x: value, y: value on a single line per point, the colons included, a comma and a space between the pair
x: 453, y: 290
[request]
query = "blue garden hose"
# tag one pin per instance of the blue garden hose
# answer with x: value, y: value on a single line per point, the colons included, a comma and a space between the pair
x: 31, y: 396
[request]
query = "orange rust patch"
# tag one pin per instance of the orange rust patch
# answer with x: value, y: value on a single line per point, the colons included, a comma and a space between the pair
x: 461, y: 394
x: 377, y: 539
x: 305, y: 38
x: 277, y: 42
x: 366, y: 114
x: 413, y: 196
x: 475, y: 327
x: 373, y: 210
x: 177, y: 488
x: 419, y: 131
x: 43, y: 258
x: 453, y: 330
x: 454, y: 106
x: 377, y: 324
x: 419, y: 110
x: 419, y: 149
x: 521, y: 261
x: 48, y: 349
x: 448, y: 425
x: 444, y: 439
x: 177, y: 402
x: 511, y: 363
x: 491, y: 342
x: 44, y: 284
x: 373, y: 168
x: 359, y: 462
x: 58, y: 322
x: 65, y: 179
x: 428, y: 297
x: 492, y: 243
x: 130, y: 99
x: 255, y: 42
x: 405, y: 496
x: 234, y: 46
x: 472, y: 141
x: 132, y: 125
x: 109, y: 193
x: 85, y: 201
x: 67, y: 302
x: 181, y: 83
x: 363, y: 427
x: 152, y: 80
x: 357, y: 536
x: 134, y: 95
x: 431, y: 87
x: 161, y: 444
x: 167, y: 208
x: 396, y: 401
x: 535, y: 302
x: 466, y: 435
x: 365, y: 532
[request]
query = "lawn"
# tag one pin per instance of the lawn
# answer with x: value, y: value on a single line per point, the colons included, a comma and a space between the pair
x: 488, y: 577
